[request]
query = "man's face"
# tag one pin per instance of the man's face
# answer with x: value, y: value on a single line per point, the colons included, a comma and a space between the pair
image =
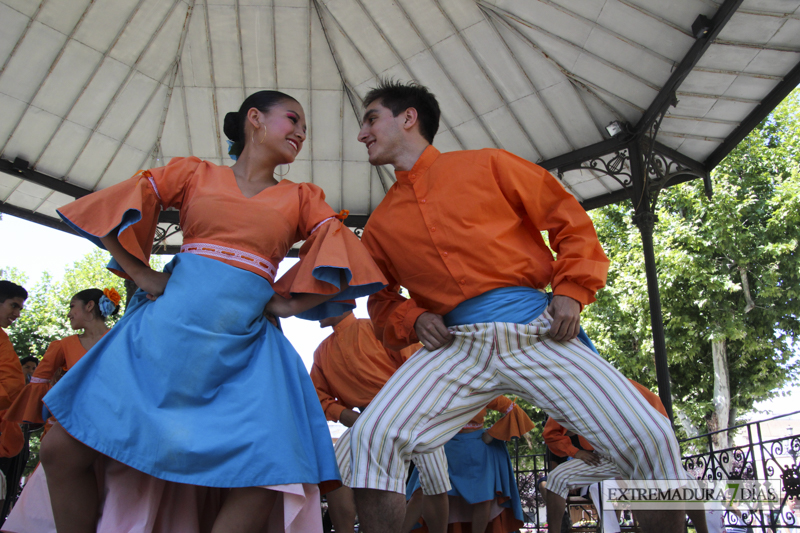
x: 10, y: 310
x: 382, y: 133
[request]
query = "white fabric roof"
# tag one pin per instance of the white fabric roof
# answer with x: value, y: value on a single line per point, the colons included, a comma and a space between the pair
x: 92, y: 91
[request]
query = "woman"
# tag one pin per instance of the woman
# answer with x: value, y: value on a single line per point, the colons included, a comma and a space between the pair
x: 88, y: 311
x: 194, y: 385
x: 484, y: 495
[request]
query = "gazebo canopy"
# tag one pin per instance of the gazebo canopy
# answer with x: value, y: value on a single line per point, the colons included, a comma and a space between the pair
x: 93, y: 90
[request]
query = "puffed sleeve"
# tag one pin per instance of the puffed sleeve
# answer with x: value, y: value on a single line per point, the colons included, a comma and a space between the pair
x: 330, y: 249
x: 28, y: 406
x: 514, y: 423
x: 581, y: 266
x: 131, y: 208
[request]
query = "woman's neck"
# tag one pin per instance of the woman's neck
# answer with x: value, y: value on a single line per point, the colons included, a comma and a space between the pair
x: 95, y: 329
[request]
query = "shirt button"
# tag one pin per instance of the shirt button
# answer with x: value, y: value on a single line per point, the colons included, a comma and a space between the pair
x: 433, y: 228
x: 444, y: 254
x: 463, y: 282
x: 424, y: 201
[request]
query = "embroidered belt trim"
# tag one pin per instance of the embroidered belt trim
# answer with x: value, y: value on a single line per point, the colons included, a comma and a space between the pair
x: 473, y: 425
x: 231, y: 254
x: 34, y: 379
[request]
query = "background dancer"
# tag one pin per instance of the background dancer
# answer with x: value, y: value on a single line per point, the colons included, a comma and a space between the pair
x: 470, y: 252
x: 185, y: 386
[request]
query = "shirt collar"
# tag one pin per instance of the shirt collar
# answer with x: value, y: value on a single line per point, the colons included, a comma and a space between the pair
x: 429, y: 155
x: 346, y: 322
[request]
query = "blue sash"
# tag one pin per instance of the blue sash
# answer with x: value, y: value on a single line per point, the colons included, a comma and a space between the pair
x: 516, y: 305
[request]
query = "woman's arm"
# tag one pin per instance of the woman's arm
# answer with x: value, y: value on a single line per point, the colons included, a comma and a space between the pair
x: 147, y: 279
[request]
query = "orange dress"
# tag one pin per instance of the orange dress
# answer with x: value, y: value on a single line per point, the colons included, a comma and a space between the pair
x: 61, y: 354
x: 351, y: 366
x: 12, y: 381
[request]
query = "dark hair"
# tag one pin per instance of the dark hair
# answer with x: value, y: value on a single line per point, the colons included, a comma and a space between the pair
x: 398, y: 97
x: 28, y: 359
x: 11, y: 290
x: 234, y: 121
x: 94, y: 295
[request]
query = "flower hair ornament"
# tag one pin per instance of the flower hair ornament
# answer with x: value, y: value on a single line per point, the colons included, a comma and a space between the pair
x: 109, y: 302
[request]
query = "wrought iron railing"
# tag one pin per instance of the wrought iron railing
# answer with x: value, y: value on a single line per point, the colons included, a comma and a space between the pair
x: 754, y: 455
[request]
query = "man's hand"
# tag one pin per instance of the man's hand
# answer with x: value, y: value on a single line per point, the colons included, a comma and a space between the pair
x: 566, y: 315
x: 590, y: 458
x: 431, y: 331
x: 348, y: 417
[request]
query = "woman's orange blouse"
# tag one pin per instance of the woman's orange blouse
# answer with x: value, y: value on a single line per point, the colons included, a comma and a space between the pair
x: 61, y: 354
x: 219, y: 222
x: 514, y: 423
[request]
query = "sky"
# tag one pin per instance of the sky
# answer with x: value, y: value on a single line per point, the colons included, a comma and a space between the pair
x: 35, y: 249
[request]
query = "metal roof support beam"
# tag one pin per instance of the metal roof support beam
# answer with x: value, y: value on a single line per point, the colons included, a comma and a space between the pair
x: 37, y: 218
x: 666, y: 96
x: 766, y: 106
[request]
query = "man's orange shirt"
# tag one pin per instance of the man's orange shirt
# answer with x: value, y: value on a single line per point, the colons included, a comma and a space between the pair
x: 556, y: 438
x: 351, y: 366
x: 12, y: 380
x: 462, y: 223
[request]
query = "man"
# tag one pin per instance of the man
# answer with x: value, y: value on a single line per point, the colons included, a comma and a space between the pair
x: 12, y: 380
x: 350, y: 367
x: 462, y: 232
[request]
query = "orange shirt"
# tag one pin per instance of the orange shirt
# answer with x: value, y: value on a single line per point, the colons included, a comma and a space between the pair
x: 514, y: 422
x: 351, y: 366
x: 556, y: 438
x: 219, y: 222
x: 12, y: 380
x: 62, y: 353
x: 462, y: 223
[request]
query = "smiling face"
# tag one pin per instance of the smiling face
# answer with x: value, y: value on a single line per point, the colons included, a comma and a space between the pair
x: 80, y: 313
x: 10, y: 310
x: 382, y: 133
x: 29, y: 368
x: 285, y: 132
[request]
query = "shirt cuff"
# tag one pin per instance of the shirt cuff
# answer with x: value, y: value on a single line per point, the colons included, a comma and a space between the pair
x: 334, y: 412
x: 576, y: 292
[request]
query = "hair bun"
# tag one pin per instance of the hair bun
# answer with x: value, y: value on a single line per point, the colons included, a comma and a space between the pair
x: 232, y: 127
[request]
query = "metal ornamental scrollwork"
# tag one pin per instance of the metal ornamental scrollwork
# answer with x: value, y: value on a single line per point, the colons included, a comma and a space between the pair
x: 161, y: 236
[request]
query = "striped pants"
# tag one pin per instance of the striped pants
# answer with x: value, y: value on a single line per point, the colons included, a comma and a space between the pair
x: 576, y: 473
x: 432, y: 396
x: 432, y: 466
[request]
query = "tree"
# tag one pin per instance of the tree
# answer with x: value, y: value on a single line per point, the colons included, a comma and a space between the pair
x: 728, y: 273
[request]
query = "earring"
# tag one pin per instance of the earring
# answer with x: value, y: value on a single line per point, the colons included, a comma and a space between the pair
x: 288, y: 167
x: 264, y: 138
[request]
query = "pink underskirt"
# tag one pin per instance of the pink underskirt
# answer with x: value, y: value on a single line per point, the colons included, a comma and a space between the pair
x: 134, y: 502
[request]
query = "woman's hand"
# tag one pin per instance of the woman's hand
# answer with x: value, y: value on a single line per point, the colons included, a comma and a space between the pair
x: 486, y: 438
x: 152, y: 282
x: 278, y: 306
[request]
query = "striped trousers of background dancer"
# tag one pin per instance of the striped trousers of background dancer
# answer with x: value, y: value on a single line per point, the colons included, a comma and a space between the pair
x: 432, y: 396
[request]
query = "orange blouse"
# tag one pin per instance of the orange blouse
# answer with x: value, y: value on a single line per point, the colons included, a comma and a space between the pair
x: 63, y: 354
x: 556, y: 438
x: 219, y: 222
x: 462, y: 223
x: 351, y: 366
x: 514, y: 423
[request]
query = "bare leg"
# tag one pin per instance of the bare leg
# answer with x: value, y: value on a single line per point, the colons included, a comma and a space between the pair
x: 413, y: 511
x: 380, y: 511
x: 480, y: 516
x: 661, y: 521
x: 246, y: 510
x: 69, y: 466
x: 436, y: 511
x: 698, y: 518
x: 342, y: 506
x: 555, y: 511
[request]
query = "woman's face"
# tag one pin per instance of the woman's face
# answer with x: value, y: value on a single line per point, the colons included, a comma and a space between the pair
x: 285, y: 124
x: 80, y: 313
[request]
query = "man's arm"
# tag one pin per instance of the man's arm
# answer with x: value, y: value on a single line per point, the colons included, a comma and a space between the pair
x: 330, y: 405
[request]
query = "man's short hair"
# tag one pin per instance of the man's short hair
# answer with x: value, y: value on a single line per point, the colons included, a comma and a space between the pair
x: 29, y: 359
x: 397, y: 97
x: 11, y: 290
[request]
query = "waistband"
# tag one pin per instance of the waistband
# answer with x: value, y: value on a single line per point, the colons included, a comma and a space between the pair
x: 232, y: 254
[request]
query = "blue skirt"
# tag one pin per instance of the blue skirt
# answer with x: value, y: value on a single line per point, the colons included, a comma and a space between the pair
x: 478, y: 471
x: 198, y: 387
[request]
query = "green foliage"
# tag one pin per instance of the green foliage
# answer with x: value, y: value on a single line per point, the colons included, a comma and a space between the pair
x: 728, y: 270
